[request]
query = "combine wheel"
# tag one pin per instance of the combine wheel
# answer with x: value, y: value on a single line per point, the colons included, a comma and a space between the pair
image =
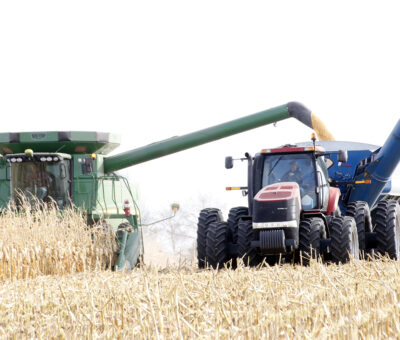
x: 344, y: 239
x: 206, y: 217
x: 387, y: 228
x: 217, y: 244
x: 311, y: 231
x: 359, y: 210
x: 245, y: 236
x: 233, y: 219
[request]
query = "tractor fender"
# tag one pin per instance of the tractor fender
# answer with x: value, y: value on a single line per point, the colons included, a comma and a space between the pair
x: 334, y: 194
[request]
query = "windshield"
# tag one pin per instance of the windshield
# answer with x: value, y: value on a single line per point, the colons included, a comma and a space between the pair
x: 41, y: 180
x: 299, y: 168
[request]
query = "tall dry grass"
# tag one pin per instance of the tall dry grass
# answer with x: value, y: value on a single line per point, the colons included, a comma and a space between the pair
x: 41, y: 240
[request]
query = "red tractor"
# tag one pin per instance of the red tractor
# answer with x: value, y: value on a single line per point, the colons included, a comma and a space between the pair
x: 292, y: 213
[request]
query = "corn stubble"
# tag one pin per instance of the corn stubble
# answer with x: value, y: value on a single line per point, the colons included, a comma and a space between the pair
x: 52, y: 287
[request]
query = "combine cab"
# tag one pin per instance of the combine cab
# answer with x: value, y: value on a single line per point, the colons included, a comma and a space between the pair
x: 67, y: 168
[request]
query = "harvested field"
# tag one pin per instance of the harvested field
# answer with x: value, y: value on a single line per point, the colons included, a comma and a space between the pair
x: 359, y: 300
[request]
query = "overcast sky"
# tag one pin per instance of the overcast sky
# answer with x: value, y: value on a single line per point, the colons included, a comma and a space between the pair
x: 149, y: 70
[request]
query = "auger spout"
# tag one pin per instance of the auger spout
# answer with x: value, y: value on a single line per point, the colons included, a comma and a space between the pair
x: 378, y: 169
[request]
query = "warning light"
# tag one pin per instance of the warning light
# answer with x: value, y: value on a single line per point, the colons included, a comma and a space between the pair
x: 29, y: 152
x: 127, y: 208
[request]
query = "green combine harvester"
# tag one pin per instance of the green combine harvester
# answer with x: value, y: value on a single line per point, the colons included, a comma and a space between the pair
x: 72, y: 168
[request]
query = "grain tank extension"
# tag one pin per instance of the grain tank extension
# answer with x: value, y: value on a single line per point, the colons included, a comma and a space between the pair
x: 74, y: 166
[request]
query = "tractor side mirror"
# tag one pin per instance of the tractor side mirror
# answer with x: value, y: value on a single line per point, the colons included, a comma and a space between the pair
x: 342, y: 156
x: 229, y: 162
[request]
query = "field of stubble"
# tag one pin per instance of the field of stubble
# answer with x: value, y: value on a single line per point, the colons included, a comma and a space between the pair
x: 53, y: 285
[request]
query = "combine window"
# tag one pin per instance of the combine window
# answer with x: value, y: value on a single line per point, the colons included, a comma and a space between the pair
x: 44, y: 181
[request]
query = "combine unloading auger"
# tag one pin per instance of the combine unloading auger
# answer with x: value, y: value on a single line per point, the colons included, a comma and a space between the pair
x: 180, y: 143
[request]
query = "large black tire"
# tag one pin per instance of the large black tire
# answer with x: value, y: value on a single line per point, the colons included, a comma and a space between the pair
x: 235, y: 214
x: 359, y: 210
x: 245, y: 236
x: 311, y: 231
x: 387, y: 228
x: 217, y: 244
x: 344, y: 239
x: 206, y: 217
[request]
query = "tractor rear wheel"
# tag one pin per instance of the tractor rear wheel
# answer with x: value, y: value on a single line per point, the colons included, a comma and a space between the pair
x: 359, y: 210
x: 233, y: 219
x: 387, y: 228
x: 311, y: 231
x: 217, y: 244
x: 245, y: 236
x: 344, y: 239
x: 206, y: 217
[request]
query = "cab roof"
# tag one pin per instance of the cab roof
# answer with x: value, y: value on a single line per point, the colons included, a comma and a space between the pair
x: 294, y: 149
x: 71, y: 142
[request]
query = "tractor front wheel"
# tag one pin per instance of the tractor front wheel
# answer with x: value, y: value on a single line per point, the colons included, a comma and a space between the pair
x: 311, y: 231
x: 245, y: 236
x: 217, y: 244
x: 344, y: 239
x: 206, y: 217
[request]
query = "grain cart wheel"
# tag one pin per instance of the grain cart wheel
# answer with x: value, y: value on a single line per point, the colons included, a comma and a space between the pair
x: 359, y: 210
x: 344, y: 239
x: 233, y: 219
x: 245, y: 236
x: 311, y: 231
x: 206, y: 217
x: 217, y: 244
x: 387, y: 228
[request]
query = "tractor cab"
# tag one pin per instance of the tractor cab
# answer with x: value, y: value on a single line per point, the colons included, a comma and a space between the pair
x: 43, y: 177
x: 302, y: 165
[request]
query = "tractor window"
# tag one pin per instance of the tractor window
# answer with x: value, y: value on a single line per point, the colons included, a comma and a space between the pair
x: 43, y: 181
x: 299, y: 168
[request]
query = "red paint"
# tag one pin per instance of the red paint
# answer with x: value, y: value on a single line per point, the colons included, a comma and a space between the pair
x: 127, y: 208
x: 334, y: 194
x: 294, y: 149
x: 279, y: 192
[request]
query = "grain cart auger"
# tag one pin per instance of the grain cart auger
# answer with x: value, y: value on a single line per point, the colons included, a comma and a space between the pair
x: 74, y: 167
x: 333, y: 199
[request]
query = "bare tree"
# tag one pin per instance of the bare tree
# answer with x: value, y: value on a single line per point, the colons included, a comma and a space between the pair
x: 178, y: 234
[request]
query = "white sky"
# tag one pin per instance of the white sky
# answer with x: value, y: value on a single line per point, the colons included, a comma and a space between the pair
x: 150, y: 70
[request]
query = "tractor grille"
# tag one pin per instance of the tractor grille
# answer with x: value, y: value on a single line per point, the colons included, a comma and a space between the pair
x: 272, y: 240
